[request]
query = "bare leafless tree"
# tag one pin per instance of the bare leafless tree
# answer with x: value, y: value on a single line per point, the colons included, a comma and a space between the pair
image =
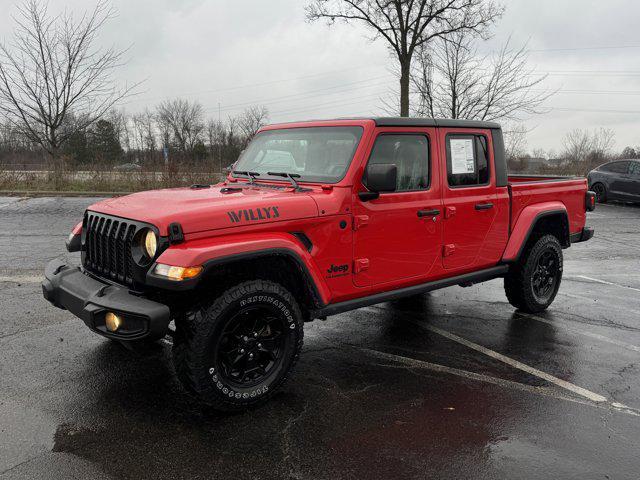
x: 53, y: 69
x: 515, y: 146
x: 407, y: 25
x: 452, y: 80
x: 216, y: 137
x: 252, y: 120
x: 515, y: 140
x: 118, y: 119
x: 143, y: 132
x: 581, y: 145
x: 181, y: 123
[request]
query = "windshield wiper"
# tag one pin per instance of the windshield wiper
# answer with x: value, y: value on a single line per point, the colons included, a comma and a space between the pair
x: 289, y: 176
x: 252, y: 175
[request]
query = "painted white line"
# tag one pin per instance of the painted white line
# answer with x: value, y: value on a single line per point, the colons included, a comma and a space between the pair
x: 583, y: 392
x: 22, y: 279
x: 436, y: 367
x: 597, y: 336
x: 604, y: 282
x: 544, y: 391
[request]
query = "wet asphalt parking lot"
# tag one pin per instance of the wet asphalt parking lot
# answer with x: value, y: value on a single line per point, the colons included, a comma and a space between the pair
x: 454, y: 384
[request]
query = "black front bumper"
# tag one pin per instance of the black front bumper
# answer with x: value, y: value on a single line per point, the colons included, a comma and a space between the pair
x: 67, y: 287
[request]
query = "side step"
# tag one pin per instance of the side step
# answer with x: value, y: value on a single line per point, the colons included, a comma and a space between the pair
x: 464, y: 280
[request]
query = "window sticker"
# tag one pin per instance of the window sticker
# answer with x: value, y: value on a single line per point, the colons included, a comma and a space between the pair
x: 462, y: 156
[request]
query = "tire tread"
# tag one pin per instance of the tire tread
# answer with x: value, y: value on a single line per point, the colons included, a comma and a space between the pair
x: 190, y: 344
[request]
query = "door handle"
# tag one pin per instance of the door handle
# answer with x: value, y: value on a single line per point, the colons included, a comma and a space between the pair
x: 484, y: 206
x: 428, y: 213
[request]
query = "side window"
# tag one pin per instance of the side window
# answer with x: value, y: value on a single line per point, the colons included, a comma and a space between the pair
x: 634, y: 169
x: 467, y: 160
x: 617, y: 167
x: 410, y: 154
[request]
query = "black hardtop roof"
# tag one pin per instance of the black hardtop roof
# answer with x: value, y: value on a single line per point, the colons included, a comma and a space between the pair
x: 432, y: 122
x: 410, y: 122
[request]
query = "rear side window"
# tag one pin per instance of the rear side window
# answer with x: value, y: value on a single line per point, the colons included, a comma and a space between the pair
x: 634, y: 168
x: 410, y: 154
x: 616, y: 167
x: 467, y: 160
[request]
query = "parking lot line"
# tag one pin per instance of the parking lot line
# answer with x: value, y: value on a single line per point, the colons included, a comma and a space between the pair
x: 604, y: 282
x: 536, y: 390
x: 436, y: 367
x: 597, y: 336
x: 583, y: 392
x: 22, y: 279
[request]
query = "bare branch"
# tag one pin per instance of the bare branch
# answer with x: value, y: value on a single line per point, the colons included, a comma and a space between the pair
x: 452, y: 80
x: 407, y: 25
x: 52, y: 70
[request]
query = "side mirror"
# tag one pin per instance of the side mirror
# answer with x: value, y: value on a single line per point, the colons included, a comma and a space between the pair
x: 381, y: 177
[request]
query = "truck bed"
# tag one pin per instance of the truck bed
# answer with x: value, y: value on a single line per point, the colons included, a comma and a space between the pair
x: 529, y: 189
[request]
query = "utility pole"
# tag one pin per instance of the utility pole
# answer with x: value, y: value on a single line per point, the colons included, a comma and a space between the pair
x: 220, y: 139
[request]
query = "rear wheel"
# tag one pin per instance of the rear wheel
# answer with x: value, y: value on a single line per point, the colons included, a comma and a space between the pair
x: 235, y: 351
x: 533, y: 282
x: 601, y: 192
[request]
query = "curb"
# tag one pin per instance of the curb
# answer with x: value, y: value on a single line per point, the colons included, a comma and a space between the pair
x: 53, y: 193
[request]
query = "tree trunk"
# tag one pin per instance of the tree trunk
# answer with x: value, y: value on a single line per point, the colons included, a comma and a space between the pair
x: 405, y: 69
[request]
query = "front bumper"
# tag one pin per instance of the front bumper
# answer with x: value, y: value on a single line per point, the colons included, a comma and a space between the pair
x: 67, y: 287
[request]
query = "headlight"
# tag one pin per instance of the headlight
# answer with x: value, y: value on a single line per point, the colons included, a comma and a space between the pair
x: 151, y: 243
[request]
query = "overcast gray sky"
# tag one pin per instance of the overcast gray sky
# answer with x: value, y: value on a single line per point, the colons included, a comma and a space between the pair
x: 241, y: 52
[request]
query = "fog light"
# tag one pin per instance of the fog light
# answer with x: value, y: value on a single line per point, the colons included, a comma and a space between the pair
x: 113, y: 321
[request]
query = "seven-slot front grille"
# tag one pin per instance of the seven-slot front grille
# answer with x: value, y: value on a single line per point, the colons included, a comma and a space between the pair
x: 107, y: 246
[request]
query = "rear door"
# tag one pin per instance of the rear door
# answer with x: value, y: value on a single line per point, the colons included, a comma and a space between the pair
x: 632, y: 181
x: 399, y: 235
x: 472, y: 237
x: 618, y: 173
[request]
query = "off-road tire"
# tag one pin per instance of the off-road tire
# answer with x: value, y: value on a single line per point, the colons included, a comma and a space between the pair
x: 197, y: 334
x: 518, y: 283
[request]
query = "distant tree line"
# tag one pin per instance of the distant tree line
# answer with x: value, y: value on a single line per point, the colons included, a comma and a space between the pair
x: 175, y: 132
x: 582, y: 150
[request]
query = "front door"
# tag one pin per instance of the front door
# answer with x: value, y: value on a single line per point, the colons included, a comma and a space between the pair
x: 399, y: 235
x: 472, y: 238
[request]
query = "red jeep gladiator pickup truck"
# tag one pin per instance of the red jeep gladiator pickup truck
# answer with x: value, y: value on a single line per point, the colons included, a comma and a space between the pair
x: 317, y: 218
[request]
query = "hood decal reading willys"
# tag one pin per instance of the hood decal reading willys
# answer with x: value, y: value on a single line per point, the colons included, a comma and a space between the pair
x: 253, y: 214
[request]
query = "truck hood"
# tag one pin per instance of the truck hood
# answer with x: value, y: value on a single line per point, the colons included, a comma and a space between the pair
x: 199, y: 210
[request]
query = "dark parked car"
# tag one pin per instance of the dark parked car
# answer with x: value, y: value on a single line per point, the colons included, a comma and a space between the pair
x: 127, y: 167
x: 619, y: 180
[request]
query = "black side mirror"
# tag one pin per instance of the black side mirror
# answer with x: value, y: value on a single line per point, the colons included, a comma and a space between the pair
x: 379, y: 178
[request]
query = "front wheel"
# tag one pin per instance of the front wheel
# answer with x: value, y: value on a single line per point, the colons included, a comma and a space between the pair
x: 235, y: 351
x: 533, y: 282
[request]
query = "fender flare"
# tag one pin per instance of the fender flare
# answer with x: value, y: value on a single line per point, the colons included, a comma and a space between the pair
x: 213, y: 252
x: 522, y: 230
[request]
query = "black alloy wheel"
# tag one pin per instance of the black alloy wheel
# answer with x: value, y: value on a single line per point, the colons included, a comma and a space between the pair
x: 250, y: 346
x: 600, y: 191
x: 533, y: 281
x: 545, y: 275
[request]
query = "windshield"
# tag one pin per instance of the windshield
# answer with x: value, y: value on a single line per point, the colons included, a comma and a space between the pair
x: 317, y: 154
